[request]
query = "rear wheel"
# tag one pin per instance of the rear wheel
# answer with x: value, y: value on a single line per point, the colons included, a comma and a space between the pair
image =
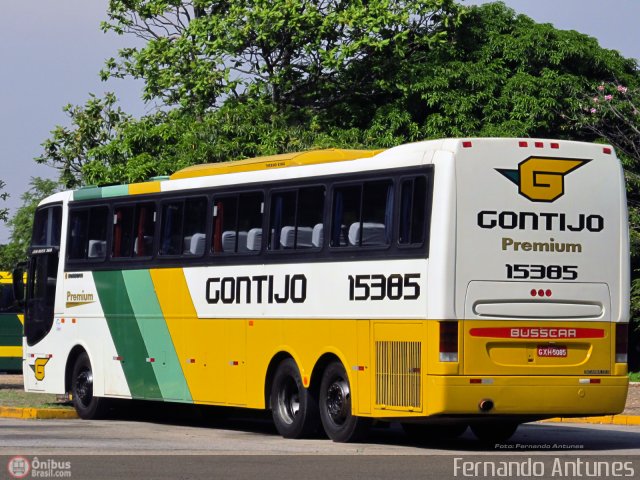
x: 86, y: 404
x: 492, y: 432
x: 294, y: 408
x: 335, y: 407
x: 421, y: 433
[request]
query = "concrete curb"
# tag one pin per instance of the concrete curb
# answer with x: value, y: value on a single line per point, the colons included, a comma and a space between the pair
x: 629, y: 420
x: 37, y: 413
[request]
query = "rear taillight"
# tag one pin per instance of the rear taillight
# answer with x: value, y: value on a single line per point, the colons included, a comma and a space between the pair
x: 622, y: 342
x: 448, y: 341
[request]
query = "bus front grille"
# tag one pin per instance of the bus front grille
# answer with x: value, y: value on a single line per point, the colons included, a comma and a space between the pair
x: 398, y: 378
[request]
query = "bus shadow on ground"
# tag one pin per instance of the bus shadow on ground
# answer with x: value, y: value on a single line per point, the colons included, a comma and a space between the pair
x: 530, y: 438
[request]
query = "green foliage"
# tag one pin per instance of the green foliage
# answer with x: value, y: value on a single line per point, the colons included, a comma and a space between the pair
x: 610, y: 113
x: 4, y: 212
x: 92, y: 125
x: 197, y: 53
x: 501, y: 74
x: 22, y: 222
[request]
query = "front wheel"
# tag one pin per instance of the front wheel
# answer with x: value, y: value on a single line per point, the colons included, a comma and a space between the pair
x: 86, y: 404
x: 335, y: 407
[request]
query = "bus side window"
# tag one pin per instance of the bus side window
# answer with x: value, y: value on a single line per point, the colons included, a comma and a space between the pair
x: 362, y: 214
x: 194, y: 226
x: 88, y: 234
x: 183, y: 227
x: 171, y: 237
x: 413, y: 207
x: 294, y: 216
x: 123, y: 231
x: 144, y: 230
x: 235, y: 217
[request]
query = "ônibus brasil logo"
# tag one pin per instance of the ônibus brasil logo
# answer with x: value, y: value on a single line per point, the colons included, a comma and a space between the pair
x: 18, y: 467
x: 542, y: 179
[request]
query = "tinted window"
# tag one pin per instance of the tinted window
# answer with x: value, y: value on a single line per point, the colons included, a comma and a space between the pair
x: 47, y: 227
x: 296, y: 219
x: 88, y: 233
x: 237, y: 224
x: 413, y: 209
x: 362, y: 214
x: 133, y: 230
x: 183, y: 227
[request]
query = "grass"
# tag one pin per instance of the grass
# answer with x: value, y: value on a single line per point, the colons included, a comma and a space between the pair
x: 12, y: 394
x: 634, y: 376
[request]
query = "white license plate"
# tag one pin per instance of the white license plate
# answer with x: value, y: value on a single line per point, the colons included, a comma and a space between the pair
x: 552, y: 351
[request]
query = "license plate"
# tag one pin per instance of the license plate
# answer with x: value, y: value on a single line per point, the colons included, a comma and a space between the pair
x: 552, y: 351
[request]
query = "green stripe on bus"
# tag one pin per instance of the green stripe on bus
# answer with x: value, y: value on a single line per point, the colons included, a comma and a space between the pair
x: 126, y: 335
x: 87, y: 193
x: 115, y: 191
x: 156, y: 336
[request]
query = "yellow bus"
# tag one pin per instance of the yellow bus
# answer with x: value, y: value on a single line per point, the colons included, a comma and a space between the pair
x: 10, y: 327
x: 443, y: 284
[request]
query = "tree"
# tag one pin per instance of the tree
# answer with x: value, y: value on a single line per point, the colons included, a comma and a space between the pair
x: 197, y: 53
x: 4, y: 212
x: 610, y: 112
x: 22, y: 222
x: 500, y: 74
x: 93, y: 125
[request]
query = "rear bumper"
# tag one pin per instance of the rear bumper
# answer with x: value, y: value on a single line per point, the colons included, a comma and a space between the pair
x: 539, y: 397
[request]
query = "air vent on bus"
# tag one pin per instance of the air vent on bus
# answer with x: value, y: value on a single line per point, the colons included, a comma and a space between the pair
x: 398, y: 378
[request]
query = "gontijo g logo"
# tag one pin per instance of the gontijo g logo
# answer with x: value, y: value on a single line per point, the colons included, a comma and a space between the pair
x: 542, y: 179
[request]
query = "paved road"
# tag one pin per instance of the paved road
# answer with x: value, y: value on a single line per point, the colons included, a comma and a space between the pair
x: 254, y: 434
x: 147, y: 445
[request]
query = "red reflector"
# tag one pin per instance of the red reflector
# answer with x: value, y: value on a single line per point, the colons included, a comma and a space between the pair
x: 234, y: 363
x: 467, y: 144
x: 594, y: 380
x: 555, y: 145
x: 448, y: 341
x: 50, y: 355
x: 539, y: 144
x: 548, y: 293
x: 534, y: 292
x: 62, y: 320
x: 251, y: 323
x: 523, y: 144
x: 117, y: 359
x: 475, y: 380
x: 541, y: 293
x: 73, y: 320
x: 191, y: 360
x: 606, y: 150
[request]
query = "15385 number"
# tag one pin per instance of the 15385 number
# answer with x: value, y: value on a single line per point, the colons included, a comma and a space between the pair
x: 521, y: 271
x: 380, y: 287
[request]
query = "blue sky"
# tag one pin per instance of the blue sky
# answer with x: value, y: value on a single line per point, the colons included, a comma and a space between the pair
x: 52, y: 50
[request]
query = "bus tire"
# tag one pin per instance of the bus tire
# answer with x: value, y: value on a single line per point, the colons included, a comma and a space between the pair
x: 421, y: 433
x: 494, y: 432
x: 86, y: 404
x: 294, y: 408
x: 335, y: 407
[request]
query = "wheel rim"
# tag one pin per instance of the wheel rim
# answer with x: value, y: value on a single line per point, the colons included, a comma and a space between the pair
x: 288, y: 401
x: 338, y: 401
x: 84, y: 386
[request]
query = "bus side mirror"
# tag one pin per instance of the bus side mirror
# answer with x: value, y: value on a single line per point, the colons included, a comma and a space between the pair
x: 18, y: 283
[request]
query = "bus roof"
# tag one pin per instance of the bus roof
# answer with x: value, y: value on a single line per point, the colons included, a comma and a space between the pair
x: 293, y: 159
